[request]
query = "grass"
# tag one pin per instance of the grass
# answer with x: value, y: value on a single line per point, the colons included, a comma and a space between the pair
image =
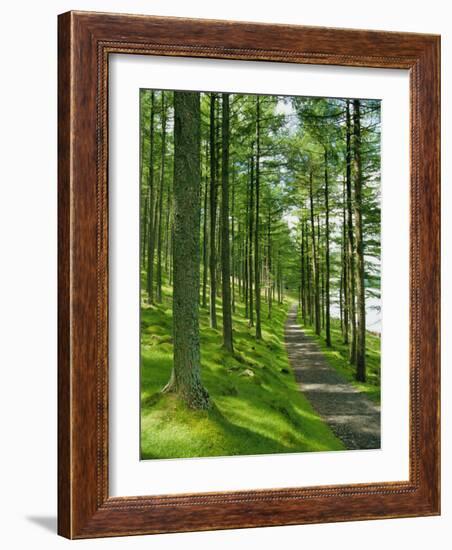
x: 337, y: 357
x: 258, y: 407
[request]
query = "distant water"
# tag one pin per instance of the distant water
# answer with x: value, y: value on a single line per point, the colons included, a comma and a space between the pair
x: 373, y: 314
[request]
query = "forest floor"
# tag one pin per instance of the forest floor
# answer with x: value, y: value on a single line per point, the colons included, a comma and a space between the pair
x: 351, y: 415
x: 257, y: 405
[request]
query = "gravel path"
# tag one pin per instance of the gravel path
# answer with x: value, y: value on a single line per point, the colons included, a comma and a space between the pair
x: 351, y: 415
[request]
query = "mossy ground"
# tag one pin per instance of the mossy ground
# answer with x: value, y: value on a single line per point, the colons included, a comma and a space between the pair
x: 258, y: 407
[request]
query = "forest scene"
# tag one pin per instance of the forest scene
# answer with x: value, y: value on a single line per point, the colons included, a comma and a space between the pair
x: 259, y: 273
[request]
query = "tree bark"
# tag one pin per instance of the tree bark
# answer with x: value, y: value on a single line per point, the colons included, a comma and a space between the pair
x: 168, y: 229
x: 160, y: 214
x: 204, y: 236
x: 250, y: 243
x: 345, y: 302
x: 233, y: 243
x: 361, y: 299
x: 257, y: 267
x: 315, y: 267
x: 351, y: 246
x: 143, y: 190
x: 213, y: 214
x: 321, y: 268
x: 302, y: 278
x: 327, y: 257
x: 186, y: 374
x: 309, y: 294
x: 225, y: 256
x: 269, y: 264
x: 246, y: 255
x: 151, y: 236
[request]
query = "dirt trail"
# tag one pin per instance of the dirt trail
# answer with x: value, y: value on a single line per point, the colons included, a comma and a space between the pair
x: 350, y: 414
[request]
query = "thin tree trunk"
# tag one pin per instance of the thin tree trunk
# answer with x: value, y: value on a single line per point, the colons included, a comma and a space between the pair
x: 225, y: 257
x: 218, y: 237
x: 239, y: 263
x: 351, y: 246
x: 361, y: 299
x: 257, y: 266
x: 143, y: 191
x: 213, y: 212
x: 151, y: 237
x: 160, y: 224
x: 246, y: 256
x: 233, y: 238
x: 204, y: 236
x: 310, y: 300
x: 302, y: 278
x: 250, y: 243
x: 320, y: 267
x: 327, y: 257
x: 185, y: 379
x: 269, y: 264
x: 218, y: 185
x: 144, y: 228
x: 171, y: 255
x: 345, y: 268
x: 315, y: 270
x: 168, y: 229
x: 341, y: 299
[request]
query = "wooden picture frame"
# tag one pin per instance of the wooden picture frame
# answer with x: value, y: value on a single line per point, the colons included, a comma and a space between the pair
x: 85, y: 42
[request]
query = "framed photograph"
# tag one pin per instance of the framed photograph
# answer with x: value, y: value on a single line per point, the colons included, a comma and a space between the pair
x: 248, y: 275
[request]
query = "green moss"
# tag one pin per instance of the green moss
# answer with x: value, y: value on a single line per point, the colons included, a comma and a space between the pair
x: 258, y: 407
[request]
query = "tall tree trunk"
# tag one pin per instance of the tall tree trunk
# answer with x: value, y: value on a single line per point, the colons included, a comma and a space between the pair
x: 322, y: 292
x: 321, y: 268
x: 250, y: 242
x: 345, y: 304
x: 168, y: 229
x: 171, y: 254
x: 233, y: 239
x: 218, y: 185
x: 257, y: 267
x: 246, y: 255
x: 151, y: 236
x: 351, y: 246
x: 269, y: 264
x: 218, y: 233
x: 239, y: 265
x: 361, y: 299
x: 186, y: 374
x: 213, y: 215
x: 204, y: 235
x: 327, y: 257
x: 143, y: 190
x: 302, y: 278
x: 310, y: 297
x: 225, y: 256
x: 160, y: 214
x: 144, y: 227
x: 341, y: 299
x: 315, y: 267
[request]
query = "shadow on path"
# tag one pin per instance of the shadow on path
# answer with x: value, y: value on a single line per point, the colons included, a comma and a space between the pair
x: 351, y: 415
